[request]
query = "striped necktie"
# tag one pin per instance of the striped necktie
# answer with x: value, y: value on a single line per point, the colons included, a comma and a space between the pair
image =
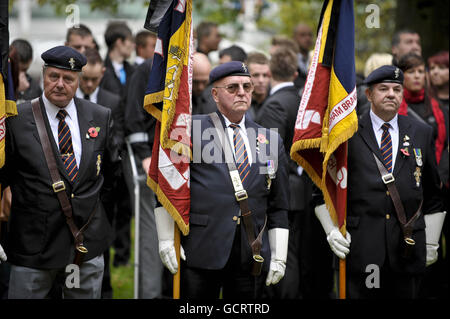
x: 242, y: 163
x: 66, y: 147
x: 386, y: 147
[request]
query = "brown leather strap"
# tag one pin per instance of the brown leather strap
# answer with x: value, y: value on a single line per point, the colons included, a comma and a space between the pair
x: 58, y: 183
x: 388, y: 179
x: 246, y: 213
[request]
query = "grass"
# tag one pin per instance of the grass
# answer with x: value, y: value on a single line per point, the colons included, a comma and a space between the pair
x: 122, y: 278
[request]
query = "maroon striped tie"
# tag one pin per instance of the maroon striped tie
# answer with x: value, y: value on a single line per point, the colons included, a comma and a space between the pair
x: 66, y: 147
x: 386, y: 147
x: 242, y: 163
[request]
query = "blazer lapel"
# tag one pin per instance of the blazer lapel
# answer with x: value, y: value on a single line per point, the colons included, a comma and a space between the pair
x: 367, y: 134
x: 404, y: 128
x: 55, y: 149
x: 254, y: 168
x: 85, y: 121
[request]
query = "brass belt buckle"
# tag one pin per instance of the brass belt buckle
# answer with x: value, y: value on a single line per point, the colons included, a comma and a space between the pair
x: 241, y: 195
x: 82, y: 249
x: 388, y: 178
x: 58, y: 186
x: 258, y: 258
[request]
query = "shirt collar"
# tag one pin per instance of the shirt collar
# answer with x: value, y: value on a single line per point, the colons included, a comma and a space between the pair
x: 241, y: 123
x: 52, y: 109
x: 279, y: 86
x: 377, y: 122
x: 92, y: 96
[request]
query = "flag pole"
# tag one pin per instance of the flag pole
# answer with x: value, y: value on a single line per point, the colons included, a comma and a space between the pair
x: 176, y: 277
x: 342, y: 279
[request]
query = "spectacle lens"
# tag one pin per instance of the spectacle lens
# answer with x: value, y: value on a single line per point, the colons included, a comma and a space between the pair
x: 234, y: 87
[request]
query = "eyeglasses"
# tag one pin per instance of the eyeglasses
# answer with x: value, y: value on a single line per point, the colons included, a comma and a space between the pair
x: 234, y: 87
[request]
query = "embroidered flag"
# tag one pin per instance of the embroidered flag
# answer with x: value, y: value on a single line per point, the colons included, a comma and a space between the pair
x: 168, y: 99
x: 327, y: 117
x: 7, y: 99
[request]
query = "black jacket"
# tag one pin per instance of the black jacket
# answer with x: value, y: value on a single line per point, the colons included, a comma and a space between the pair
x: 38, y: 234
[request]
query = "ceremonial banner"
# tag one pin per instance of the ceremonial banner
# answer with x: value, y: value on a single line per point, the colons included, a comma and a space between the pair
x: 7, y: 99
x: 327, y: 117
x: 168, y: 99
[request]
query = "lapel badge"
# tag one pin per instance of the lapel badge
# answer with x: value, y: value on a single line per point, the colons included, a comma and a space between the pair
x: 405, y: 151
x: 418, y: 156
x: 92, y: 132
x: 72, y: 63
x: 99, y: 162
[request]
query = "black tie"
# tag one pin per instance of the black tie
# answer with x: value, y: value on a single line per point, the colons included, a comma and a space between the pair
x: 86, y: 97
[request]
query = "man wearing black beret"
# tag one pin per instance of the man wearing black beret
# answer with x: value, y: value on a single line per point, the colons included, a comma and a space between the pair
x: 59, y: 158
x: 394, y: 216
x: 228, y: 218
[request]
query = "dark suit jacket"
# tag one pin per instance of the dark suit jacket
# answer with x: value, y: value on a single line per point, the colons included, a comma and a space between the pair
x: 279, y: 111
x: 213, y: 204
x: 111, y: 82
x: 112, y: 101
x: 376, y: 238
x: 38, y: 234
x: 137, y: 119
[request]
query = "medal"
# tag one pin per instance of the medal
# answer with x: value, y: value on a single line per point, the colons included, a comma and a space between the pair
x: 418, y: 155
x: 417, y: 175
x: 271, y: 169
x: 99, y: 161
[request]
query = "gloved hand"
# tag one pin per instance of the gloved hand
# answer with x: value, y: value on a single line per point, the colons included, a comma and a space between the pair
x: 165, y: 230
x: 433, y: 230
x: 339, y: 244
x: 2, y: 254
x: 278, y: 240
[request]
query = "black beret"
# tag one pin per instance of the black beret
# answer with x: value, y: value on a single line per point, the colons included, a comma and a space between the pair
x: 385, y: 73
x: 228, y: 69
x: 63, y: 57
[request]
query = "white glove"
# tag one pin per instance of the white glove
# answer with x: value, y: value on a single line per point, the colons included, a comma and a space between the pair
x: 278, y: 240
x: 338, y: 244
x: 2, y: 254
x: 433, y: 230
x: 165, y: 230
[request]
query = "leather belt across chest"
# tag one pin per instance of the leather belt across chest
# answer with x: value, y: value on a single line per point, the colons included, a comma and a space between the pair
x: 242, y: 198
x: 59, y: 187
x: 406, y: 226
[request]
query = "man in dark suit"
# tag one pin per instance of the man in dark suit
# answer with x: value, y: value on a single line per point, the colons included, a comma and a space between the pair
x: 217, y: 249
x: 119, y: 39
x: 40, y: 243
x: 377, y: 263
x: 89, y: 90
x: 28, y: 87
x: 279, y: 111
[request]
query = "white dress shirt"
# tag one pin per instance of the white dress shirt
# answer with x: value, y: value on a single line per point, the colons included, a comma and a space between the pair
x: 243, y: 132
x: 377, y: 124
x: 92, y: 97
x: 71, y: 120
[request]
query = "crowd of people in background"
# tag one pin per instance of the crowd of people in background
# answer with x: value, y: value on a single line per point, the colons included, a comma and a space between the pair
x: 278, y: 77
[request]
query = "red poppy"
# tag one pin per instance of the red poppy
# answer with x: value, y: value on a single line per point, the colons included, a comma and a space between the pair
x: 92, y: 132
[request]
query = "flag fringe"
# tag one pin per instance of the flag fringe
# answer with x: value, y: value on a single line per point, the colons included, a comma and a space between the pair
x: 162, y: 198
x: 11, y: 108
x: 150, y: 100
